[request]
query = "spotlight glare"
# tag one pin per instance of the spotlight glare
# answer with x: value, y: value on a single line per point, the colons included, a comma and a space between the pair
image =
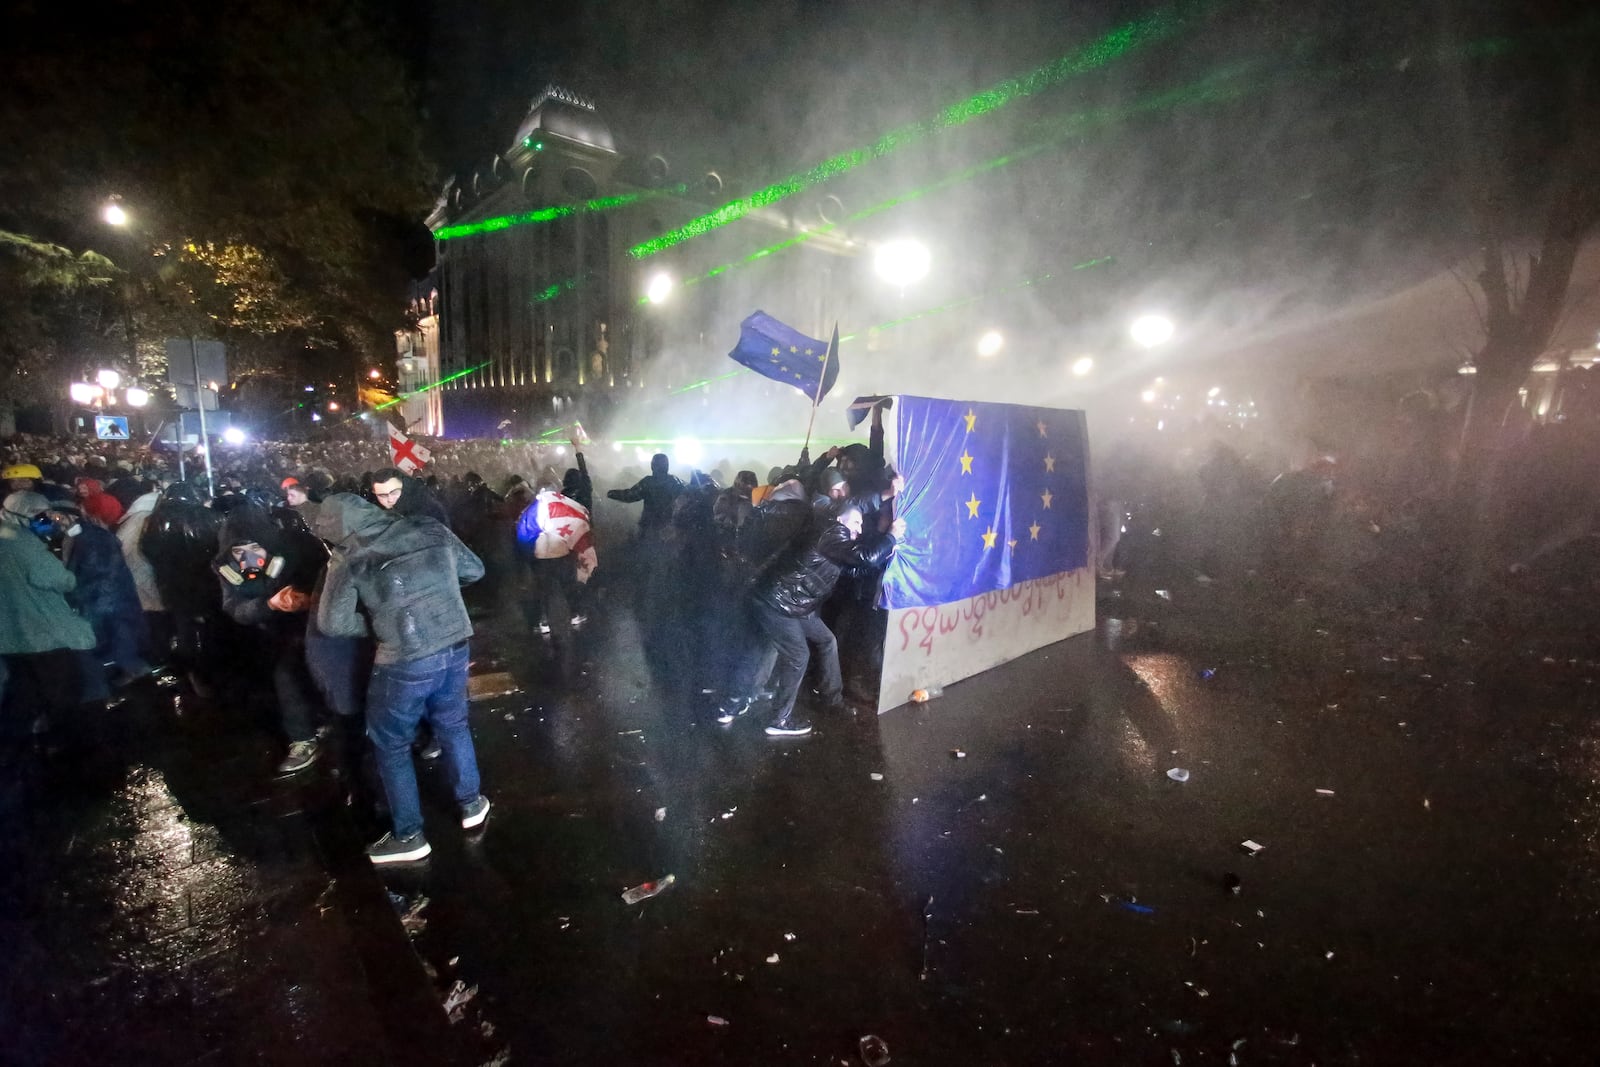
x: 1150, y: 331
x: 1082, y: 365
x: 687, y: 451
x: 990, y: 344
x: 902, y: 262
x: 233, y: 436
x: 1148, y: 396
x: 659, y: 288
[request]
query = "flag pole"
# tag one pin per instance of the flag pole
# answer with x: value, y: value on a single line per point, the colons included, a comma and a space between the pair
x: 817, y: 400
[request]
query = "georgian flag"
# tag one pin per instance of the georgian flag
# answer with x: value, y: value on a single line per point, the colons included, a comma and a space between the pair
x: 557, y: 526
x: 407, y: 455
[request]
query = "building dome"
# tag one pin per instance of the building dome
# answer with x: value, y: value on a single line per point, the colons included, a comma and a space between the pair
x: 559, y: 113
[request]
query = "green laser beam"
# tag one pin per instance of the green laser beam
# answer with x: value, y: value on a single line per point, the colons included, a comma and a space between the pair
x: 435, y: 385
x: 1212, y: 89
x: 549, y: 214
x: 1098, y: 53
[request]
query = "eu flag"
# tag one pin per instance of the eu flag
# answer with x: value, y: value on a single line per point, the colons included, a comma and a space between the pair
x: 785, y: 355
x: 995, y: 494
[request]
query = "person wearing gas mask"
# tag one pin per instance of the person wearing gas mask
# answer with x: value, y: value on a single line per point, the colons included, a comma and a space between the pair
x: 42, y: 639
x: 266, y: 585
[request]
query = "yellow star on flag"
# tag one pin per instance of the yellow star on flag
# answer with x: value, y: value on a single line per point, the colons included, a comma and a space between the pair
x: 793, y: 349
x: 1033, y: 531
x: 972, y: 506
x: 971, y: 419
x: 966, y: 462
x: 1040, y: 424
x: 1050, y: 464
x: 811, y: 351
x: 774, y: 351
x: 988, y: 537
x: 1046, y: 497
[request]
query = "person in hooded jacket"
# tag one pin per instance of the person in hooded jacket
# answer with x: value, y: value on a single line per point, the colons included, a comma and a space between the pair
x: 658, y: 490
x: 399, y: 578
x: 180, y: 541
x: 42, y: 639
x: 265, y: 580
x: 786, y: 596
x: 106, y: 594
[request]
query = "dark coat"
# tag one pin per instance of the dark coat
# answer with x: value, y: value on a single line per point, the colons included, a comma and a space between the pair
x: 402, y: 575
x: 105, y: 589
x: 180, y: 540
x: 658, y: 492
x: 799, y: 581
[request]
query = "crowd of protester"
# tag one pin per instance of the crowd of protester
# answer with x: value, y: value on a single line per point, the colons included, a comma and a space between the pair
x: 325, y: 589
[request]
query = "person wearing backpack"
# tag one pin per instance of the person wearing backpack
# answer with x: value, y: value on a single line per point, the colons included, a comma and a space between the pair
x: 401, y: 576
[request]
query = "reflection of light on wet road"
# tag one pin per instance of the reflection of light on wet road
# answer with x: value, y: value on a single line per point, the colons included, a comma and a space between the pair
x: 1149, y: 728
x: 1160, y: 673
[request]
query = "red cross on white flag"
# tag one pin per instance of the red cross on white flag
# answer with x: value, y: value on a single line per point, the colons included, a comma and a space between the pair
x: 408, y: 455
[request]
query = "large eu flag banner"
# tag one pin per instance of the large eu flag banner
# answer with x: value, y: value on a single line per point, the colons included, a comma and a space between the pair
x: 785, y: 355
x: 995, y: 494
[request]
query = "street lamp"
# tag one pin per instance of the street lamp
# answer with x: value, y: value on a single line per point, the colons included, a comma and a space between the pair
x: 136, y: 397
x: 108, y: 379
x: 990, y: 344
x: 659, y: 287
x: 1082, y: 365
x: 902, y: 262
x: 233, y: 436
x: 1149, y: 331
x: 374, y: 374
x: 113, y: 213
x: 84, y: 392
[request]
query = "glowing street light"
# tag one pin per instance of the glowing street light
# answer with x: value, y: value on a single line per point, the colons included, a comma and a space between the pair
x: 84, y: 392
x: 902, y: 262
x: 990, y: 344
x: 113, y: 214
x: 137, y: 397
x: 233, y: 436
x: 1149, y: 331
x: 108, y: 379
x: 1082, y: 365
x: 1148, y: 396
x: 1214, y: 392
x: 333, y: 405
x: 659, y: 287
x: 374, y: 374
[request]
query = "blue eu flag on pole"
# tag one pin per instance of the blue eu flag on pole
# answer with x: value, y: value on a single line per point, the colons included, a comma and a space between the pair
x: 995, y: 494
x: 786, y: 355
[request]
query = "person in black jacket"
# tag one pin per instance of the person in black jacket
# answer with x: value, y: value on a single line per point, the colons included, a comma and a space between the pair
x: 658, y: 490
x: 266, y: 575
x: 784, y: 602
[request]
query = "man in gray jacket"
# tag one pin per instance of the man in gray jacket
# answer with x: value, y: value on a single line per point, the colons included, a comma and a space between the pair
x: 402, y: 575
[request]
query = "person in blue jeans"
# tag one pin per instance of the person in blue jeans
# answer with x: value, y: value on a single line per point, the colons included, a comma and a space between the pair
x: 400, y: 577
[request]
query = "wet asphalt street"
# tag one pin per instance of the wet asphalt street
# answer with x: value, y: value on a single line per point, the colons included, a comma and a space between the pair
x: 1425, y: 890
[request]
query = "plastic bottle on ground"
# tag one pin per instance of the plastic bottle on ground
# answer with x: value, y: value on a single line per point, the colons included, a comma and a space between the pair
x: 648, y: 890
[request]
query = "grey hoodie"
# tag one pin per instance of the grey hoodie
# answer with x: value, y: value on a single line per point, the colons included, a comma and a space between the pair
x: 403, y: 573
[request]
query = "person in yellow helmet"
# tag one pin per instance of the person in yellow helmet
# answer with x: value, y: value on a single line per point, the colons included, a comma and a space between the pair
x: 21, y: 477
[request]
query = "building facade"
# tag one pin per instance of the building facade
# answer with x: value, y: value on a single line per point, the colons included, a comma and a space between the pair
x: 538, y: 314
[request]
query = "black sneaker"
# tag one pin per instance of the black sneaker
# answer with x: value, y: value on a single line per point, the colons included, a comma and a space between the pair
x: 302, y: 754
x: 473, y: 814
x: 734, y: 707
x: 790, y: 727
x: 392, y: 849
